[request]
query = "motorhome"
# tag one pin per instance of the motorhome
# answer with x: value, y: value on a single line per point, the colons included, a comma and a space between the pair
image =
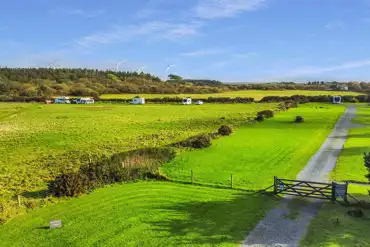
x: 186, y: 101
x: 62, y: 100
x: 84, y: 101
x: 138, y: 101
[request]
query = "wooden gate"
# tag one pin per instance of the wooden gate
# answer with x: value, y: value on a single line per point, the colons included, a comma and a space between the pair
x: 326, y: 191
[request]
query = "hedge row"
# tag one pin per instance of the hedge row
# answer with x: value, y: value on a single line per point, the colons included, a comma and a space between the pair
x: 128, y: 166
x: 299, y: 98
x: 322, y: 98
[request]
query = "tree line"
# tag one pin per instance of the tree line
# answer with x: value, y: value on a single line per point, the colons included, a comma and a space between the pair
x: 48, y: 82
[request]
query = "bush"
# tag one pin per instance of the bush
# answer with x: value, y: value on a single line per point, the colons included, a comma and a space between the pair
x: 225, y: 130
x: 266, y: 113
x: 299, y: 119
x: 199, y: 141
x: 260, y: 118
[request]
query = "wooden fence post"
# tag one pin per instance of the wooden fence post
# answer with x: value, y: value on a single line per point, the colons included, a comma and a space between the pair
x: 19, y: 200
x: 275, y: 184
x: 333, y: 194
x: 231, y: 181
x: 192, y: 176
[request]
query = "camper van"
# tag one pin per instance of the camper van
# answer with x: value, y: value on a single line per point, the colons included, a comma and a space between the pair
x: 186, y: 101
x: 337, y: 99
x: 62, y: 100
x: 138, y: 101
x: 84, y: 101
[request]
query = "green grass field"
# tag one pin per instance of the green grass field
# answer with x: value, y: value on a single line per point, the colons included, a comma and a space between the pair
x: 142, y: 214
x: 257, y: 153
x: 38, y: 141
x: 350, y: 165
x: 256, y: 94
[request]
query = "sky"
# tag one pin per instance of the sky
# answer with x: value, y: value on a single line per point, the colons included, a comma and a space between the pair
x: 227, y: 40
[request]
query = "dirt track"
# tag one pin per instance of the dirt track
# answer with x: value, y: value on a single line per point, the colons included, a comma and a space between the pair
x: 276, y: 229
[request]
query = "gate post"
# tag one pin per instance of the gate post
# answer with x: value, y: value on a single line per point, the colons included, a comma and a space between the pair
x: 275, y: 185
x: 345, y: 194
x: 333, y: 195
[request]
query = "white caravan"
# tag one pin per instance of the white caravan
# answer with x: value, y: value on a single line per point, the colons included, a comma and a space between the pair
x: 337, y: 99
x: 62, y: 100
x: 186, y: 101
x: 85, y: 101
x: 138, y: 101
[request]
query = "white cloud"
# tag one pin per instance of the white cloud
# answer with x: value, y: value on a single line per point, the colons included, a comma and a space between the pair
x: 320, y: 70
x: 334, y: 25
x: 205, y: 52
x: 154, y: 29
x: 212, y: 9
x: 79, y: 12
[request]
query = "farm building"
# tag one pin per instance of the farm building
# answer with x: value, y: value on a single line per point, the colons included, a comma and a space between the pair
x: 138, y: 101
x: 186, y: 101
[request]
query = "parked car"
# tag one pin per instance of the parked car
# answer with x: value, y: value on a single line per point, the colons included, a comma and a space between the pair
x: 199, y: 102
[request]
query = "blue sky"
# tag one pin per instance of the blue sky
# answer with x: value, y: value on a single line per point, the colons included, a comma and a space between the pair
x: 228, y: 40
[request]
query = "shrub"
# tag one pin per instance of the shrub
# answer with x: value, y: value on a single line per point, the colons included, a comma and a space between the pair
x: 201, y: 141
x: 299, y: 119
x: 70, y: 184
x: 266, y: 113
x: 260, y: 118
x: 225, y: 130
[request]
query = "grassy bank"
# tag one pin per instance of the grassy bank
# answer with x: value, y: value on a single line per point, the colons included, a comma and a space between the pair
x: 142, y: 214
x: 257, y: 153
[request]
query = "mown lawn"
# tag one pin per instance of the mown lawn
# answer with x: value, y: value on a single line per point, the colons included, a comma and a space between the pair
x: 142, y: 214
x: 256, y: 94
x: 350, y: 165
x: 254, y: 154
x: 38, y: 141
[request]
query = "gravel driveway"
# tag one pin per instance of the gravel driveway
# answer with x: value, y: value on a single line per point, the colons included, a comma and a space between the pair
x: 277, y: 228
